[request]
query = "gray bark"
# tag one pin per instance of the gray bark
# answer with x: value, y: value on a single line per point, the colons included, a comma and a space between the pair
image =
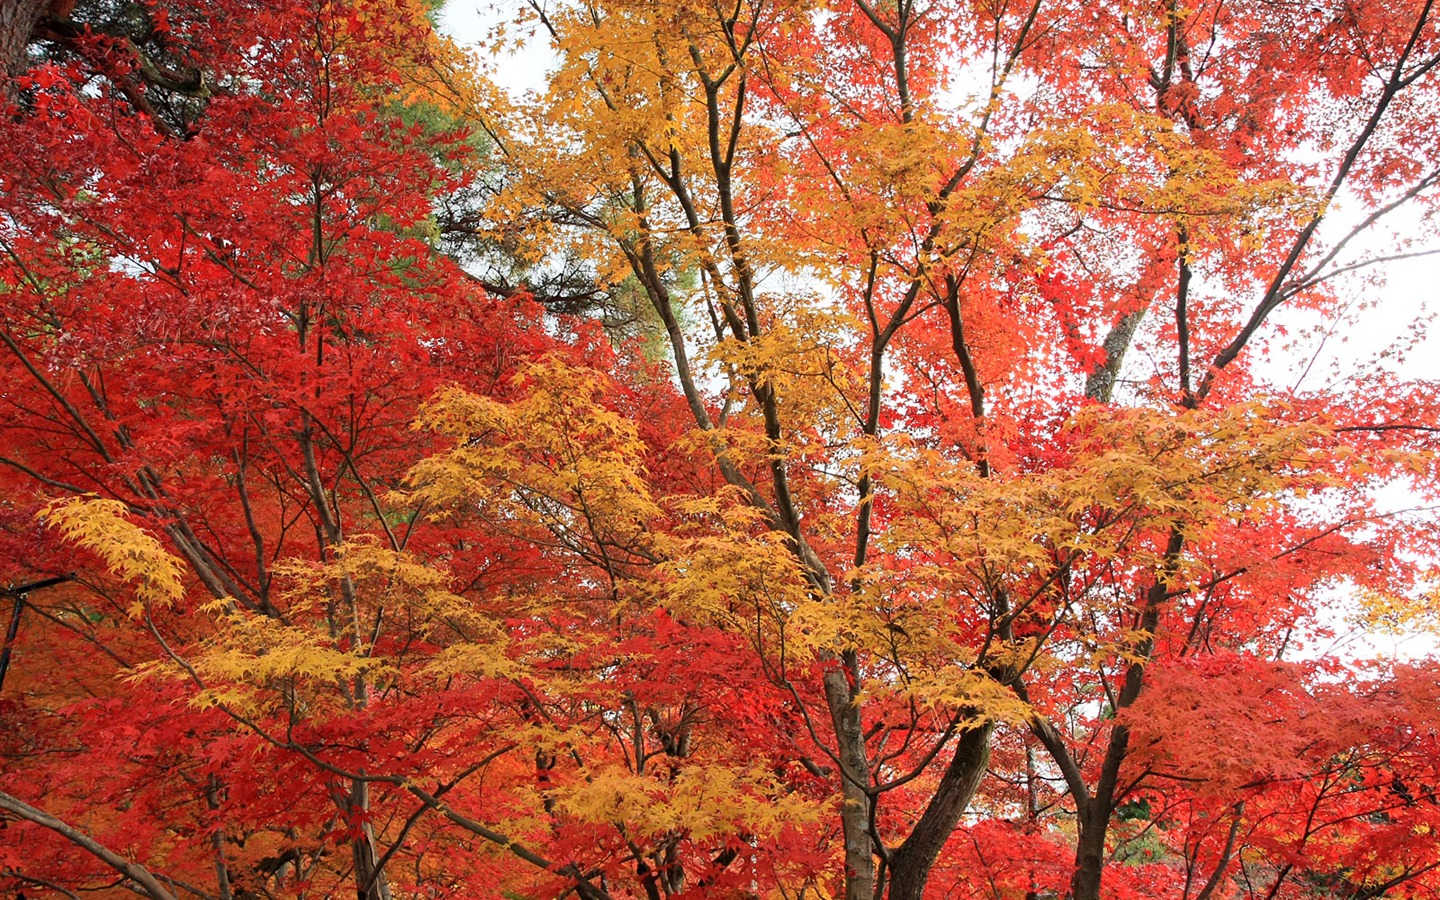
x: 854, y: 786
x: 145, y: 882
x: 1101, y: 383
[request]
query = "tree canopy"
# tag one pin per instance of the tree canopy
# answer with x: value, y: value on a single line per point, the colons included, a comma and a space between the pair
x: 813, y: 449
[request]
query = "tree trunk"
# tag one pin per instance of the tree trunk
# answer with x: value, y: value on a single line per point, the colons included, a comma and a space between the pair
x: 1100, y: 385
x: 1094, y: 814
x: 910, y: 864
x: 213, y: 791
x: 18, y: 19
x: 370, y: 884
x: 1090, y: 853
x: 854, y: 785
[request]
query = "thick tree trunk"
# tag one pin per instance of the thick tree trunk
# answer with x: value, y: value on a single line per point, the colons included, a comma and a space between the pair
x: 1101, y: 383
x: 1090, y: 854
x: 854, y: 784
x: 18, y: 19
x: 910, y: 864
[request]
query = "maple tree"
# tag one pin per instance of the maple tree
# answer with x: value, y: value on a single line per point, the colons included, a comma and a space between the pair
x: 215, y: 335
x: 955, y: 542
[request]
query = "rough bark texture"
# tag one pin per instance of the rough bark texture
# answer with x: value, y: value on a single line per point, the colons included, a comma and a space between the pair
x: 855, y: 779
x: 1101, y: 383
x: 18, y: 19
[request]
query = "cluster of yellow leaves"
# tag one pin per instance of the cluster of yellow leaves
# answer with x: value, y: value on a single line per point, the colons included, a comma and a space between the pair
x: 374, y: 575
x: 251, y: 655
x: 627, y: 111
x: 1196, y: 469
x: 723, y: 565
x: 320, y: 636
x: 700, y: 801
x: 959, y: 554
x: 1388, y: 612
x: 806, y: 356
x: 131, y: 553
x: 377, y: 579
x: 554, y: 466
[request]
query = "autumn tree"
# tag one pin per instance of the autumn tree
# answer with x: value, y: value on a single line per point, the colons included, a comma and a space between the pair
x: 217, y: 329
x: 982, y: 289
x: 965, y: 543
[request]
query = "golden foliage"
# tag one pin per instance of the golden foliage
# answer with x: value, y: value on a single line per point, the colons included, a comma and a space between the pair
x: 133, y: 554
x: 701, y: 801
x: 553, y: 465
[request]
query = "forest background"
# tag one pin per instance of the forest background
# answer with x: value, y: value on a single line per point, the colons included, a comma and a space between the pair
x: 810, y: 450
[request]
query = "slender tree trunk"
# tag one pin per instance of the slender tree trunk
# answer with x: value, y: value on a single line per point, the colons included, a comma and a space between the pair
x: 370, y: 884
x: 11, y: 633
x: 1032, y: 808
x: 217, y: 840
x: 1094, y: 813
x: 854, y: 785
